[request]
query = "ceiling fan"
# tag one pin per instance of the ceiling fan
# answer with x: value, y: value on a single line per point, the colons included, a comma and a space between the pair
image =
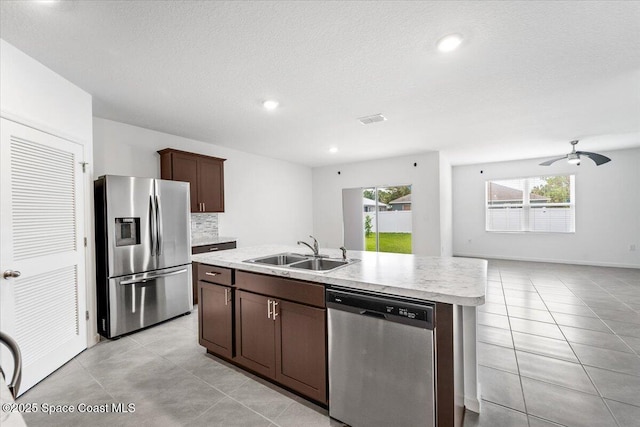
x: 574, y: 157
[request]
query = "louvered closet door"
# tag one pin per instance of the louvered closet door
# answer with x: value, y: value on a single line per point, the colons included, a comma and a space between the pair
x: 42, y: 217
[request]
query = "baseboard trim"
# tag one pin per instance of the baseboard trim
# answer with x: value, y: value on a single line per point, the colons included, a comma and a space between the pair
x: 472, y: 405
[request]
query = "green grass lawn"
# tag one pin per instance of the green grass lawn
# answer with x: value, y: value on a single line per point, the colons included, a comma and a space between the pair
x: 399, y: 243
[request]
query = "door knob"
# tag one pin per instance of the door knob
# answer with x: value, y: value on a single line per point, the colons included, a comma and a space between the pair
x: 8, y: 274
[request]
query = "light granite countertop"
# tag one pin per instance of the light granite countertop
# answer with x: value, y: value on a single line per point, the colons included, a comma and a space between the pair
x: 203, y: 241
x: 450, y: 280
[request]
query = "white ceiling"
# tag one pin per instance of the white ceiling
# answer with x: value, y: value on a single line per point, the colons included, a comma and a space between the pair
x: 530, y: 76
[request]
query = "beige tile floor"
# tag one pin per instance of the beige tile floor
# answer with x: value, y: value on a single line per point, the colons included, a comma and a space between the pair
x: 558, y: 345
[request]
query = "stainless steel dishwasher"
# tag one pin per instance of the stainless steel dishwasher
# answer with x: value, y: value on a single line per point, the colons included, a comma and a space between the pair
x: 381, y: 360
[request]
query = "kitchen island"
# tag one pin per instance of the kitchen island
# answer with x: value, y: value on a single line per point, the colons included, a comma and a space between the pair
x: 234, y: 294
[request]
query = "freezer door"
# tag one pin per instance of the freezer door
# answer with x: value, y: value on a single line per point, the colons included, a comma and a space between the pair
x: 174, y: 223
x: 142, y: 300
x: 130, y: 225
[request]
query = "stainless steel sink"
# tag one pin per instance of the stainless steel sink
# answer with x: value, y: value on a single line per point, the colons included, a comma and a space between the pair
x: 319, y: 264
x: 279, y: 259
x: 302, y: 262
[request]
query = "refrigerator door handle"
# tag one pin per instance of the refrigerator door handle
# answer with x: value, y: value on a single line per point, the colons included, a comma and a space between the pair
x: 153, y: 277
x: 152, y: 225
x: 159, y: 225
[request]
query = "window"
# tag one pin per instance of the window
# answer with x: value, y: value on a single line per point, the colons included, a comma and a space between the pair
x: 538, y: 204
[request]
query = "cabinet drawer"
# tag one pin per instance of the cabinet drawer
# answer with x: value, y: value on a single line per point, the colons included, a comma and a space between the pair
x: 289, y: 289
x: 213, y: 274
x: 213, y: 248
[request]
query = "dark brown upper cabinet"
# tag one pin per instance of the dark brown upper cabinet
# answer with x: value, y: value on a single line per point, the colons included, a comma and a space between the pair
x: 204, y: 173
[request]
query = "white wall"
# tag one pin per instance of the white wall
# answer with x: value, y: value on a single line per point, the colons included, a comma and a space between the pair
x: 35, y: 96
x: 446, y: 207
x: 266, y: 200
x: 603, y: 236
x: 424, y: 178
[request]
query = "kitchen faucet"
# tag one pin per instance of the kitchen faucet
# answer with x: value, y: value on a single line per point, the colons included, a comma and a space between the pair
x: 314, y: 248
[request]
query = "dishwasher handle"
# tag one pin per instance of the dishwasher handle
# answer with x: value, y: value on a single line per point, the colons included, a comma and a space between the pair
x: 373, y: 314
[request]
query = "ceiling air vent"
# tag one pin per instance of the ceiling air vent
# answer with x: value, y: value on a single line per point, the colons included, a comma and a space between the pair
x: 367, y: 120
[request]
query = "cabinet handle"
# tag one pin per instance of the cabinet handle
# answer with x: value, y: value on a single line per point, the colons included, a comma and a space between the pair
x: 204, y: 207
x: 214, y: 249
x: 275, y: 313
x: 211, y: 274
x: 226, y: 298
x: 269, y: 309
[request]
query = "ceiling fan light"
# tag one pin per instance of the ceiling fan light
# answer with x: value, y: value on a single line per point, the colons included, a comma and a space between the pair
x: 573, y: 159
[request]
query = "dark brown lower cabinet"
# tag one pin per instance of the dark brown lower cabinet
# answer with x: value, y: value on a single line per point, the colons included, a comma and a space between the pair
x: 215, y: 318
x: 284, y: 341
x: 301, y: 349
x: 255, y: 333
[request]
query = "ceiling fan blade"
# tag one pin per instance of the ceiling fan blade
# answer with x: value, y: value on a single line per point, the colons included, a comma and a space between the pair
x: 549, y: 162
x: 597, y: 158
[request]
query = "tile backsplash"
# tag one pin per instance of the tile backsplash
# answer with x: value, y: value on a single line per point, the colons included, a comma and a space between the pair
x: 203, y: 226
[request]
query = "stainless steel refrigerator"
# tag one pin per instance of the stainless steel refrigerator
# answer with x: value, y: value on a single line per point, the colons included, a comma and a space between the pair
x: 143, y: 252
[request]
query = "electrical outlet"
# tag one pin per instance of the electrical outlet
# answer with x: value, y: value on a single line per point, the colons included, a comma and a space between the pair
x: 632, y: 247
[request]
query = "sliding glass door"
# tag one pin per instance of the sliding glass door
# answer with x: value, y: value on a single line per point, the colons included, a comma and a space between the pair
x: 384, y: 220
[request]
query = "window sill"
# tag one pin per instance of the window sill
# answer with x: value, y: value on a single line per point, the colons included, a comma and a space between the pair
x: 530, y: 232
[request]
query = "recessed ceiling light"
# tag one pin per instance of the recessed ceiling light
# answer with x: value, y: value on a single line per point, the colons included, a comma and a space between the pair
x: 270, y: 104
x: 333, y: 150
x: 449, y: 43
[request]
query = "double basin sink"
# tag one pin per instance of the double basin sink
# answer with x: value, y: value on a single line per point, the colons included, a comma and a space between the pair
x: 302, y: 262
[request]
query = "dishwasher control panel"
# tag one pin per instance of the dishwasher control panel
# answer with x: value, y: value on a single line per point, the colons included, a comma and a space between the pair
x: 417, y: 313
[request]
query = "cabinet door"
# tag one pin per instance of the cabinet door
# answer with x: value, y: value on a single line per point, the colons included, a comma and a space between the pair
x: 211, y: 184
x: 301, y: 362
x: 255, y: 333
x: 215, y: 318
x: 184, y: 168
